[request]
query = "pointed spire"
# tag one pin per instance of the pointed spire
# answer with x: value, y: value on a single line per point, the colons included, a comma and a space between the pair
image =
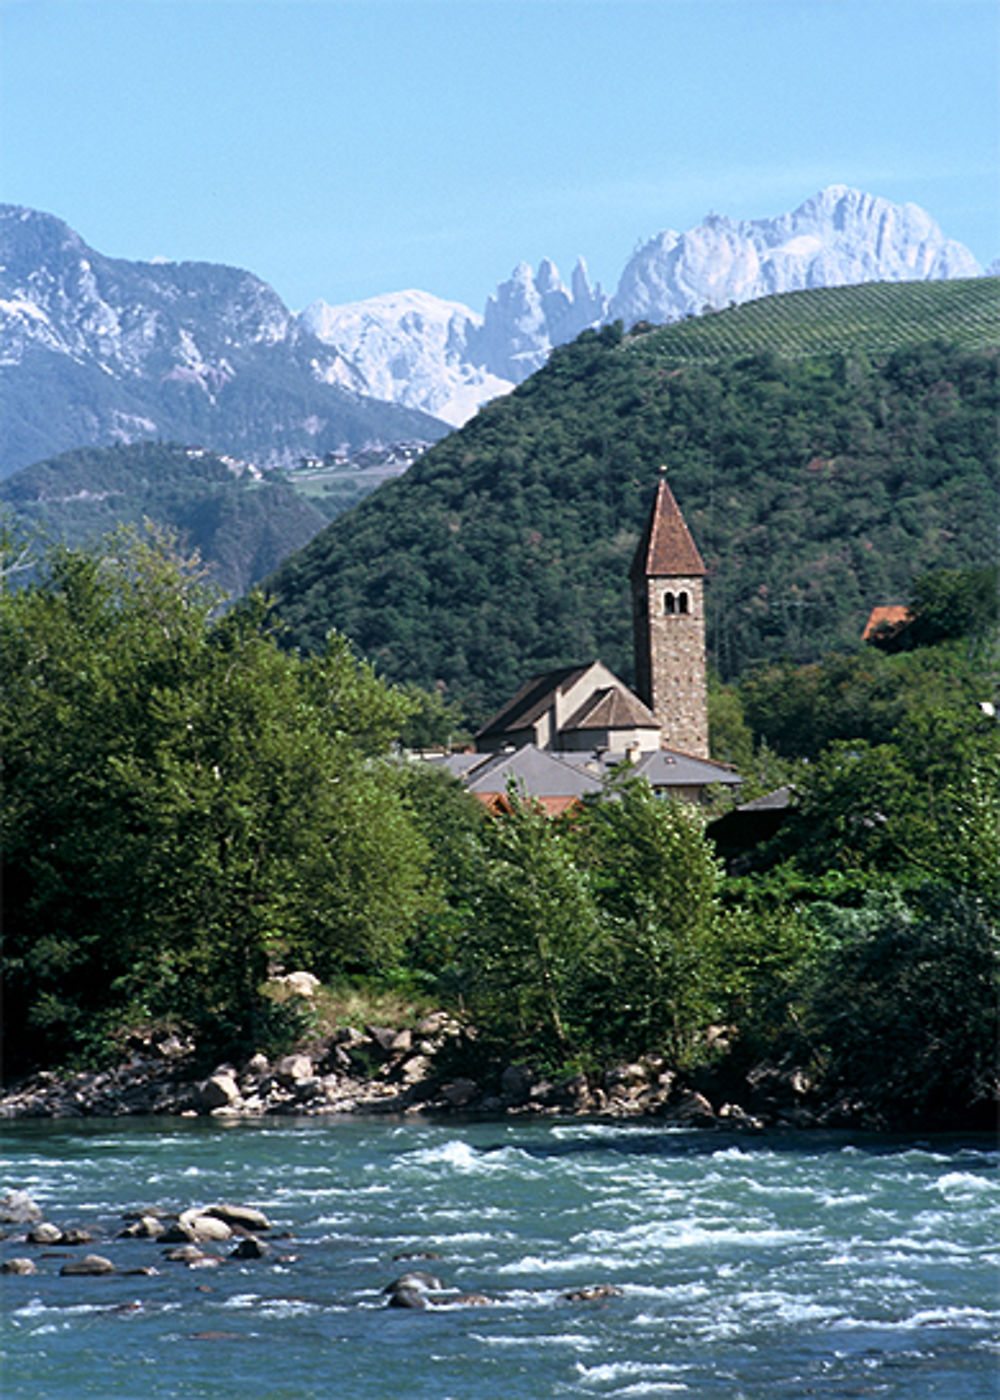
x: 666, y: 549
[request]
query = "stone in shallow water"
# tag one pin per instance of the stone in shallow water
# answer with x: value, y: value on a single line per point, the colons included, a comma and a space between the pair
x: 89, y: 1264
x: 45, y: 1233
x: 240, y: 1217
x: 250, y: 1248
x: 18, y: 1265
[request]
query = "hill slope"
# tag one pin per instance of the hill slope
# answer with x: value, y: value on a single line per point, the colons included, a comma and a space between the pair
x: 242, y: 525
x: 816, y: 482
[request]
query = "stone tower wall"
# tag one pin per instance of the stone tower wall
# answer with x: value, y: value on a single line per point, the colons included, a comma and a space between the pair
x: 670, y: 659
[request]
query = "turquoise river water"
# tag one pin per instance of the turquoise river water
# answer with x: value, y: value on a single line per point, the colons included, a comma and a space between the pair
x: 749, y: 1267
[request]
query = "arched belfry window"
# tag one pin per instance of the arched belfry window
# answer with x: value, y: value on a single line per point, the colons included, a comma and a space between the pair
x: 669, y: 603
x: 682, y: 602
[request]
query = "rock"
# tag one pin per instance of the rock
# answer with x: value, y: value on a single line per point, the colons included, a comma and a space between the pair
x: 147, y: 1227
x: 694, y: 1110
x: 626, y: 1076
x: 515, y: 1084
x: 173, y: 1048
x: 415, y: 1254
x: 300, y: 984
x: 460, y: 1092
x: 17, y: 1208
x: 594, y: 1294
x: 402, y: 1043
x: 257, y: 1066
x: 200, y: 1226
x: 470, y: 1300
x: 415, y: 1069
x: 250, y: 1248
x: 417, y: 1278
x: 292, y: 1070
x: 45, y: 1233
x: 74, y: 1235
x: 576, y: 1092
x: 191, y: 1255
x: 240, y: 1217
x: 408, y: 1298
x: 733, y: 1113
x: 434, y: 1023
x: 383, y: 1036
x: 219, y: 1091
x: 18, y: 1265
x: 89, y: 1264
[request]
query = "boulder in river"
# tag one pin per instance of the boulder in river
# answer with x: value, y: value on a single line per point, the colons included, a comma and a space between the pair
x: 88, y: 1264
x: 18, y: 1265
x: 45, y: 1233
x: 147, y: 1227
x: 240, y: 1217
x: 249, y: 1248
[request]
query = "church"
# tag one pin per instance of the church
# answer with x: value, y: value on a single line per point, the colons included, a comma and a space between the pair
x: 564, y: 730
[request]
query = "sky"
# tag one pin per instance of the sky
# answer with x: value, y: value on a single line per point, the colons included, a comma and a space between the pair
x: 343, y: 148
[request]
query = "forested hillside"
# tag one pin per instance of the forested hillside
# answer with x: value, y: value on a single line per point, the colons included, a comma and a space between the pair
x: 818, y: 482
x: 242, y: 526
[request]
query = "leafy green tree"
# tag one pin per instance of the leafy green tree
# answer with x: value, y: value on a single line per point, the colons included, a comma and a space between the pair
x: 656, y: 881
x: 906, y: 1005
x: 532, y: 940
x: 182, y: 801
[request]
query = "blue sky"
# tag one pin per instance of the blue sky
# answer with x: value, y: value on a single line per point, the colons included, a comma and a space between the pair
x: 340, y: 148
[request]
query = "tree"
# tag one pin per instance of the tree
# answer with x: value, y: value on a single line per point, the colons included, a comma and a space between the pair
x: 656, y: 881
x: 906, y: 1005
x: 184, y: 801
x: 532, y: 941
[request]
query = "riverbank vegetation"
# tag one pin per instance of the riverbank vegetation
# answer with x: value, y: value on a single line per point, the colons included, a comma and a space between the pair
x: 187, y: 806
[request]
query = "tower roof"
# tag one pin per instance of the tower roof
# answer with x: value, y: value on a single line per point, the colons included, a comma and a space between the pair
x: 666, y: 548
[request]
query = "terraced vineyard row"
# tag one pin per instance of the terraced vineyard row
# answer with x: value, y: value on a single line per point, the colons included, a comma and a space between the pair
x: 875, y: 317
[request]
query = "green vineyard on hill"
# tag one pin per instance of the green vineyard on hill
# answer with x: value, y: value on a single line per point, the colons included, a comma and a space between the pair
x: 874, y: 318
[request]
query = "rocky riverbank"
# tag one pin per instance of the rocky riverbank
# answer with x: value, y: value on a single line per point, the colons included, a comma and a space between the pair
x: 424, y: 1069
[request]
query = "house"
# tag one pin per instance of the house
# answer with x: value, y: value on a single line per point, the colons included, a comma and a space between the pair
x: 563, y: 731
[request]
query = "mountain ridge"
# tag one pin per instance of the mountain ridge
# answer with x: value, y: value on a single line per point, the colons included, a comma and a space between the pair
x: 95, y: 350
x: 839, y: 236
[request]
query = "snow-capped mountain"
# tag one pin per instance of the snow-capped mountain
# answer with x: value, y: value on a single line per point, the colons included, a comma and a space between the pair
x: 442, y: 357
x: 96, y: 350
x: 409, y: 347
x: 839, y: 237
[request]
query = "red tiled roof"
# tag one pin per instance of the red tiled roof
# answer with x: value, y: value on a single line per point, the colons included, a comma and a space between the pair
x: 666, y: 548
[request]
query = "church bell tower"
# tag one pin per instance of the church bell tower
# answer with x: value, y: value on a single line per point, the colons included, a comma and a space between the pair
x: 668, y: 621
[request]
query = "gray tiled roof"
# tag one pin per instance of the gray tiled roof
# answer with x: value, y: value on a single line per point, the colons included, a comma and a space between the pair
x: 539, y: 773
x: 666, y: 768
x: 612, y: 708
x: 531, y: 701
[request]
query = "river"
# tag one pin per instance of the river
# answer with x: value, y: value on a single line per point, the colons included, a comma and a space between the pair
x: 774, y: 1266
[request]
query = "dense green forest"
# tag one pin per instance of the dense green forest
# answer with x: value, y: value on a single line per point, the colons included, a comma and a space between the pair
x: 185, y: 803
x: 817, y: 484
x: 241, y: 525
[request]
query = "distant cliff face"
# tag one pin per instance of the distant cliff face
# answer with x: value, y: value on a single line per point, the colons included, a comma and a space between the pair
x: 838, y: 238
x: 443, y: 357
x: 95, y: 350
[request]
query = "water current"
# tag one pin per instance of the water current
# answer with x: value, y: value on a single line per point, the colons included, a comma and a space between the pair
x: 820, y: 1266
